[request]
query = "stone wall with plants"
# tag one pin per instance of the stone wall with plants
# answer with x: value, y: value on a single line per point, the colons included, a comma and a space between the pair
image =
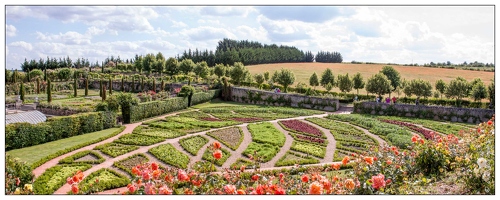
x: 20, y: 135
x: 439, y: 113
x: 253, y: 96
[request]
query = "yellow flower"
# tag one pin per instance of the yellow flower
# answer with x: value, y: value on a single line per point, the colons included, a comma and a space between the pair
x: 28, y: 187
x: 18, y: 191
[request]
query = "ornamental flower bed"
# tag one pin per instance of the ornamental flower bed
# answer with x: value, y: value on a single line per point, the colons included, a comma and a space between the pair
x: 426, y: 133
x: 83, y: 157
x: 102, y: 179
x: 210, y: 119
x: 55, y: 177
x: 137, y: 139
x: 231, y: 137
x: 132, y: 161
x: 306, y: 138
x: 115, y: 149
x: 246, y: 120
x: 193, y: 144
x: 299, y: 126
x: 170, y: 155
x: 309, y: 149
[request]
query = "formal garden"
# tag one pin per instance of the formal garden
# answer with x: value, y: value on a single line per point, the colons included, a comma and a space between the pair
x: 115, y: 132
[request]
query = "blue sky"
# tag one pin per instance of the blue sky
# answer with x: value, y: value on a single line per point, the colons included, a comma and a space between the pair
x: 396, y: 34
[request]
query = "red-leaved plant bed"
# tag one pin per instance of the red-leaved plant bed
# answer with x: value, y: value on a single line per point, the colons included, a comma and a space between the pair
x: 302, y: 127
x: 427, y: 134
x: 250, y: 119
x: 310, y: 139
x: 210, y: 119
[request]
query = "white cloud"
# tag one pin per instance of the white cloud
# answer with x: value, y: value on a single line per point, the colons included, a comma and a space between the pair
x: 253, y: 34
x: 69, y: 38
x: 242, y: 11
x: 207, y: 33
x: 117, y: 18
x: 95, y: 31
x: 22, y: 44
x: 177, y: 24
x: 10, y: 30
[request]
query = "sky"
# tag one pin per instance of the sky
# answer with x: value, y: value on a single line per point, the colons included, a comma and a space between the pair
x: 395, y: 34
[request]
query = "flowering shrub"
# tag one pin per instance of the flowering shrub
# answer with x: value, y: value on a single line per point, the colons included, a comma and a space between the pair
x: 434, y: 157
x: 478, y: 162
x: 18, y: 177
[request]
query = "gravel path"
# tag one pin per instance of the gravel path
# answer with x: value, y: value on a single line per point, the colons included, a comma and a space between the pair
x: 332, y: 143
x: 247, y: 139
x: 144, y: 149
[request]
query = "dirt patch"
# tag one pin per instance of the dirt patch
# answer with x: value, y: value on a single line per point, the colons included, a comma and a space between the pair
x: 88, y: 157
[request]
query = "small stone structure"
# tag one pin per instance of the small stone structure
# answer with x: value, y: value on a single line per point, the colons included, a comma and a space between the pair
x: 453, y: 114
x: 253, y: 96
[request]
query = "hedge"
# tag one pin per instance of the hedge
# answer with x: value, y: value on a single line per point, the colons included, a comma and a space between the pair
x: 157, y: 108
x: 20, y: 135
x: 72, y: 159
x: 57, y: 177
x: 202, y: 97
x: 62, y: 152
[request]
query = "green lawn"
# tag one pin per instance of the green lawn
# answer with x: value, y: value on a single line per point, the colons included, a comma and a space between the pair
x: 35, y: 153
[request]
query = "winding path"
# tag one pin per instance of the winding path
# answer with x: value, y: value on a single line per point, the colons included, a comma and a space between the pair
x: 175, y: 142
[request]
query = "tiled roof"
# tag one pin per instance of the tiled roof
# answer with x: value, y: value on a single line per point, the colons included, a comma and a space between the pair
x: 32, y: 117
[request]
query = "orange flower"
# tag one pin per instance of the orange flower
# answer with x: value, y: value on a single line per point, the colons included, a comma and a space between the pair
x: 146, y: 176
x: 196, y: 183
x: 393, y: 148
x: 181, y: 175
x: 396, y: 153
x: 281, y: 175
x: 229, y: 189
x: 75, y: 179
x: 369, y: 160
x: 156, y: 174
x: 216, y: 145
x: 335, y: 178
x: 242, y: 168
x: 74, y: 189
x: 69, y: 181
x: 349, y: 184
x: 378, y: 181
x: 131, y: 188
x: 389, y: 162
x: 164, y: 190
x: 255, y: 177
x: 490, y: 123
x: 96, y: 180
x: 336, y: 166
x: 315, y: 188
x: 279, y: 191
x: 136, y: 171
x: 154, y: 166
x: 240, y: 191
x: 188, y: 191
x: 345, y: 160
x: 168, y: 178
x: 217, y: 154
x: 305, y: 178
x: 422, y: 141
x: 414, y: 138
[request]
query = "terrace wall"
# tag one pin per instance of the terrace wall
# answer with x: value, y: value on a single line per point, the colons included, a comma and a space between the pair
x: 253, y: 96
x: 453, y: 114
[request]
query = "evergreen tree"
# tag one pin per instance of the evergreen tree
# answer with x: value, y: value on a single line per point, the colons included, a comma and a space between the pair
x: 49, y: 92
x: 142, y: 84
x: 104, y: 92
x: 154, y: 84
x: 21, y: 91
x: 110, y: 81
x: 162, y: 85
x: 37, y: 85
x: 86, y: 86
x: 123, y: 82
x: 75, y: 86
x: 100, y: 87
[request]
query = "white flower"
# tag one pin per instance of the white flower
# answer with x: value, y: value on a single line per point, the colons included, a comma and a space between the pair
x: 482, y: 162
x: 486, y: 176
x: 476, y: 171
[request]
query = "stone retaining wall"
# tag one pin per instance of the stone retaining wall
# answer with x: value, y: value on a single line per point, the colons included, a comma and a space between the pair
x: 253, y: 96
x: 453, y: 114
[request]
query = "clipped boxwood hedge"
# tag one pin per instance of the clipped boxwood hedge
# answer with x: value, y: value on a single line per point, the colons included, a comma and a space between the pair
x: 108, y: 179
x: 202, y: 97
x: 71, y: 159
x: 121, y: 164
x: 114, y: 149
x: 20, y: 135
x: 64, y: 151
x: 55, y: 177
x: 156, y: 108
x: 170, y: 155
